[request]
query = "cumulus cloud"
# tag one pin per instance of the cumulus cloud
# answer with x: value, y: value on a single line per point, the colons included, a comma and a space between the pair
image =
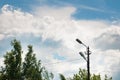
x: 58, y: 25
x: 57, y: 13
x: 107, y: 61
x: 109, y: 39
x: 15, y: 21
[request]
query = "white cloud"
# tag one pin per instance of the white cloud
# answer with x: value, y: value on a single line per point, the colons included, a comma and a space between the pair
x: 58, y: 25
x: 1, y: 61
x: 105, y: 62
x: 1, y: 36
x: 109, y: 39
x: 57, y: 13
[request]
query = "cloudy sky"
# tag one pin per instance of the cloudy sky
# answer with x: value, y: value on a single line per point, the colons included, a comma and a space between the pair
x: 52, y: 26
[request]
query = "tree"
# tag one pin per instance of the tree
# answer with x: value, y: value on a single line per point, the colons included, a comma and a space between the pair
x: 82, y: 75
x: 46, y: 75
x: 62, y: 77
x: 106, y: 78
x: 12, y: 70
x: 95, y: 77
x: 32, y: 69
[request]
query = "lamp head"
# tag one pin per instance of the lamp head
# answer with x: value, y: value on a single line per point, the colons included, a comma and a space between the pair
x: 79, y: 41
x: 82, y: 55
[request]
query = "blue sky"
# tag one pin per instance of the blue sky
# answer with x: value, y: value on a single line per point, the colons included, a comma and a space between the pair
x: 88, y: 9
x: 52, y: 26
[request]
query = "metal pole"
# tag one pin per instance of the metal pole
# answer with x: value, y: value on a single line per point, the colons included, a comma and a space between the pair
x: 88, y: 63
x: 88, y: 59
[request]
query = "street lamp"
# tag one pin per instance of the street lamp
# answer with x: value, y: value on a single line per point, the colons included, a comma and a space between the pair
x: 87, y: 59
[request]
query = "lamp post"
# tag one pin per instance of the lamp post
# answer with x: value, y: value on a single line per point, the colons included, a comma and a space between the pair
x: 87, y: 59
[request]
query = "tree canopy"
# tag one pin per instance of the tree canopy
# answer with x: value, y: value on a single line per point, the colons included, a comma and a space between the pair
x: 15, y: 69
x: 82, y: 75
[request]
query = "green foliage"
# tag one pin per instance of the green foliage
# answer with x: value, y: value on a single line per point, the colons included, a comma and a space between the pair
x: 47, y: 75
x: 15, y: 69
x: 62, y: 77
x: 12, y: 70
x: 106, y: 78
x: 82, y: 75
x: 31, y: 67
x: 95, y: 77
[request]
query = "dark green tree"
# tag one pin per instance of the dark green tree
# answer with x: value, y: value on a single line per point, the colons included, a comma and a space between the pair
x: 46, y: 75
x: 32, y: 69
x: 12, y: 69
x: 15, y: 69
x: 62, y: 77
x: 2, y: 74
